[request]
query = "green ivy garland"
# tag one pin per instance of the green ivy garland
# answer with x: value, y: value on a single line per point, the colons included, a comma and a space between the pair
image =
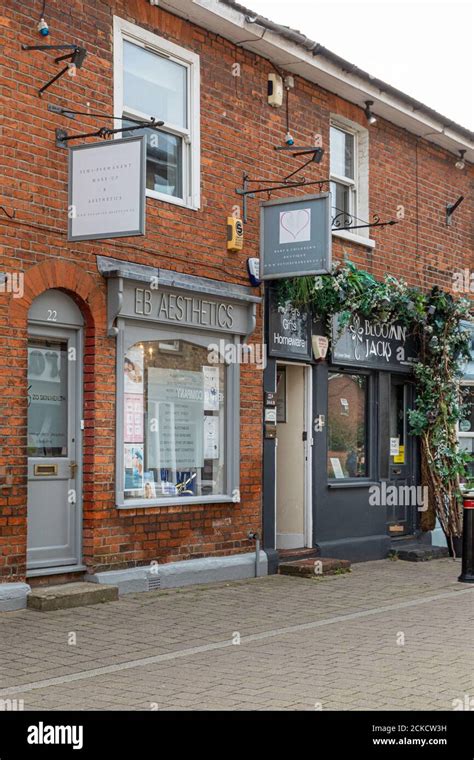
x: 436, y: 319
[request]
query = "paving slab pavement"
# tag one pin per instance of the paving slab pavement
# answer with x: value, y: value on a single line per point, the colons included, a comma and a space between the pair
x: 389, y: 635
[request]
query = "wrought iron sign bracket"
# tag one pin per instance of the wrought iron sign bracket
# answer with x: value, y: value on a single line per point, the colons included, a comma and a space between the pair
x: 279, y: 184
x: 75, y: 59
x: 63, y: 137
x: 340, y: 222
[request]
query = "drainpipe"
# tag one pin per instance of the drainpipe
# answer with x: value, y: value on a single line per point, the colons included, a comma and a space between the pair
x: 255, y: 537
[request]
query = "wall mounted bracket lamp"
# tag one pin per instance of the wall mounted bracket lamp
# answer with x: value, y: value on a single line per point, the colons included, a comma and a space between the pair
x: 371, y: 118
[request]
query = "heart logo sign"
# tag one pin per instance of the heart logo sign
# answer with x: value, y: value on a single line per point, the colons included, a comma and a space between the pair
x: 295, y: 226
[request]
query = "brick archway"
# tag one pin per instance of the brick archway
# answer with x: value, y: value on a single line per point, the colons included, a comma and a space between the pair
x: 66, y: 276
x: 89, y: 293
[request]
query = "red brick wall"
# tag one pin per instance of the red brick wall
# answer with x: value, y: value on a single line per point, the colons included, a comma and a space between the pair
x: 238, y: 133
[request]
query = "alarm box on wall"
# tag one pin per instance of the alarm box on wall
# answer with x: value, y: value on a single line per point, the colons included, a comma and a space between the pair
x: 235, y: 234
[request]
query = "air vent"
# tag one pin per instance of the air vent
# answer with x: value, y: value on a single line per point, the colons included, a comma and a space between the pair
x: 154, y: 582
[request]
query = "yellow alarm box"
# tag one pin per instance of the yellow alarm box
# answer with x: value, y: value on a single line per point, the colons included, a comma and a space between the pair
x: 235, y: 234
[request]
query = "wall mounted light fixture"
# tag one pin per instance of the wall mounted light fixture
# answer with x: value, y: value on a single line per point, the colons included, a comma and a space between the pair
x: 368, y: 113
x: 460, y: 163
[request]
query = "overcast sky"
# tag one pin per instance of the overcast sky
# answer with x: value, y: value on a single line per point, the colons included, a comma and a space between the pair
x: 423, y: 48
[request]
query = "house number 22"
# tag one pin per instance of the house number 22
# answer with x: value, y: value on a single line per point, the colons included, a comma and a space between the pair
x: 52, y: 315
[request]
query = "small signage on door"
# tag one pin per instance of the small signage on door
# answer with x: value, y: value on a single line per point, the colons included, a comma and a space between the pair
x: 399, y: 458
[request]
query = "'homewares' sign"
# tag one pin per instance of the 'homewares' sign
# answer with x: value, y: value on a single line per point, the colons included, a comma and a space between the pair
x: 296, y: 236
x: 289, y: 330
x: 107, y: 189
x: 380, y: 345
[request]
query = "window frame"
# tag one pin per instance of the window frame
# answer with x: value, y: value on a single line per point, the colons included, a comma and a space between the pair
x: 125, y: 30
x: 351, y: 183
x: 465, y: 433
x: 362, y: 206
x: 370, y: 430
x: 231, y: 411
x: 468, y: 434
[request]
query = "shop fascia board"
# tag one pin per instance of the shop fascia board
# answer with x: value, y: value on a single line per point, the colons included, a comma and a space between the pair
x: 229, y: 22
x: 118, y: 271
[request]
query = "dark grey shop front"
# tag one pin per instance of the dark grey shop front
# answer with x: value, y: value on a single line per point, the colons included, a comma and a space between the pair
x: 357, y: 439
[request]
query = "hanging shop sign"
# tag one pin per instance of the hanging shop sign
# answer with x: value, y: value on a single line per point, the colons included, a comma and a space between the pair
x: 289, y: 330
x: 107, y: 189
x: 295, y: 235
x: 375, y: 345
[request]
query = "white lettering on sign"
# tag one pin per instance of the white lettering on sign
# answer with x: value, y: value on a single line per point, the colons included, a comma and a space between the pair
x: 365, y: 337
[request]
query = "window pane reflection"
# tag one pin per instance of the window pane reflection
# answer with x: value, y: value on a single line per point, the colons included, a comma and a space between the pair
x: 347, y: 426
x: 174, y: 421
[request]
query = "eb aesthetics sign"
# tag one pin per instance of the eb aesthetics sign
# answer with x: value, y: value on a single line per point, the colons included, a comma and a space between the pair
x: 107, y: 189
x: 377, y: 345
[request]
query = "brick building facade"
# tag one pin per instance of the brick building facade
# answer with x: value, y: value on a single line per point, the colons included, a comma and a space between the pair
x: 238, y: 133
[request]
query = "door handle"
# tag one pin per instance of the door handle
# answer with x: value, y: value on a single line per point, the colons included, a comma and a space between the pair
x: 73, y: 468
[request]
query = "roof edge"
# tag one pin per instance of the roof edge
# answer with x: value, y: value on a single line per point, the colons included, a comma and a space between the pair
x: 317, y: 49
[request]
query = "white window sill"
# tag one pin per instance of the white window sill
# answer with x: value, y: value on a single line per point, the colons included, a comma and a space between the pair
x: 175, y: 501
x: 351, y: 237
x: 170, y: 199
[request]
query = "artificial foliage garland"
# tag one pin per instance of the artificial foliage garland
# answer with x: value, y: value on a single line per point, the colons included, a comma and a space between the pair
x: 435, y: 318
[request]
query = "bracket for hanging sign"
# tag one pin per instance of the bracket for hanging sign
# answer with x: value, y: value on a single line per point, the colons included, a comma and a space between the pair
x: 451, y: 208
x: 344, y: 221
x: 75, y: 60
x: 63, y: 136
x: 340, y: 221
x: 279, y: 184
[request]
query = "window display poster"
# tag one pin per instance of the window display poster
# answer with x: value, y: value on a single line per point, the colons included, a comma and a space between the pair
x: 133, y: 421
x: 399, y: 458
x: 211, y: 389
x: 175, y: 407
x: 394, y: 447
x: 133, y: 370
x: 149, y: 486
x: 211, y: 437
x: 133, y: 464
x: 337, y: 467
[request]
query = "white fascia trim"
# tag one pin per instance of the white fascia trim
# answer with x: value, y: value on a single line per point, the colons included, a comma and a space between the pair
x: 230, y: 23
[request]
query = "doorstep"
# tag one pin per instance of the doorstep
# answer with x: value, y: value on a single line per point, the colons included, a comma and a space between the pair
x: 291, y: 555
x: 315, y: 567
x: 68, y: 595
x: 418, y: 552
